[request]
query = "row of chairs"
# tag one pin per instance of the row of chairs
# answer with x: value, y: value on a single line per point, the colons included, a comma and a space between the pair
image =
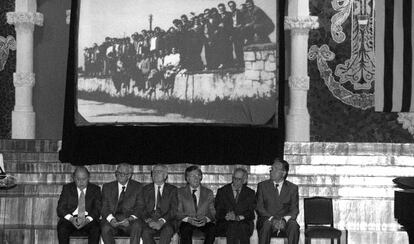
x: 319, y: 223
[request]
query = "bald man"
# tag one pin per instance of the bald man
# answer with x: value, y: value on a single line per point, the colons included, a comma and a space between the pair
x: 79, y: 208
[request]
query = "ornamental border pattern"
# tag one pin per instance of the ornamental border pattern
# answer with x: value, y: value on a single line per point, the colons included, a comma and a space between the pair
x: 14, y: 18
x: 21, y: 79
x: 299, y: 82
x: 301, y: 22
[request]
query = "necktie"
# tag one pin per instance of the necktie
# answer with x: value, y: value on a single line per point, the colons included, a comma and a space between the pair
x: 277, y: 189
x: 158, y: 205
x: 237, y: 195
x: 119, y: 205
x: 81, y: 205
x: 195, y: 200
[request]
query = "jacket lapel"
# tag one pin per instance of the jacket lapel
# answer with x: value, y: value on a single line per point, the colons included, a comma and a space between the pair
x: 74, y: 192
x: 229, y: 193
x: 190, y: 196
x: 152, y: 196
x: 285, y: 189
x: 115, y: 189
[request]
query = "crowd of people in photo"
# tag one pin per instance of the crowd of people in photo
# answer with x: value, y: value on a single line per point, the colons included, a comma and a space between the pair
x: 154, y: 57
x: 125, y: 207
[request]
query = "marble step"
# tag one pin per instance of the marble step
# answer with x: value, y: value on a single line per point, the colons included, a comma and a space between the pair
x: 46, y: 163
x: 55, y: 177
x: 17, y: 145
x: 348, y: 148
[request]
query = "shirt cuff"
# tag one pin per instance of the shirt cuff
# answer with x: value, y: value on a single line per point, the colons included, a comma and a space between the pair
x: 287, y: 218
x: 162, y: 219
x: 270, y: 219
x: 133, y: 216
x: 90, y: 218
x: 185, y: 219
x: 241, y: 217
x: 110, y: 218
x: 208, y: 219
x: 68, y: 216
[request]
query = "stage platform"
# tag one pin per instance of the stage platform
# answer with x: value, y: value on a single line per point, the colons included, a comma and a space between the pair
x: 358, y: 176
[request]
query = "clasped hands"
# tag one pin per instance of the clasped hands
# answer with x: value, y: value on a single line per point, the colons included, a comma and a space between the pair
x: 278, y: 224
x: 197, y: 221
x: 231, y: 216
x: 79, y: 222
x: 154, y: 224
x: 125, y: 223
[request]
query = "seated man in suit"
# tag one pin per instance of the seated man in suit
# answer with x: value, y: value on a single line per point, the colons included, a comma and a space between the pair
x: 235, y: 204
x: 195, y: 208
x: 79, y: 208
x: 277, y: 205
x: 121, y: 210
x: 160, y: 207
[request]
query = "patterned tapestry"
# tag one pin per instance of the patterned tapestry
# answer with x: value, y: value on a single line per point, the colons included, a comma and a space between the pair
x: 7, y: 68
x: 341, y: 69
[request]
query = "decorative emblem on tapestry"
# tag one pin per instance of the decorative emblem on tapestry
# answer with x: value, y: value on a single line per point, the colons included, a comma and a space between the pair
x: 6, y: 44
x: 353, y: 80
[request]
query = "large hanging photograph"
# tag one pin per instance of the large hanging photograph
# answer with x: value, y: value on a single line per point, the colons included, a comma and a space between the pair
x: 183, y: 81
x: 181, y: 61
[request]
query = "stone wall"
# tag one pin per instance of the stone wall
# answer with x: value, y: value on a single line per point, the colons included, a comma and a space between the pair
x: 260, y: 63
x: 257, y: 79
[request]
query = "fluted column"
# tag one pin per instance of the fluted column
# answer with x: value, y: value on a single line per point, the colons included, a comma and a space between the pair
x: 299, y: 22
x: 24, y: 19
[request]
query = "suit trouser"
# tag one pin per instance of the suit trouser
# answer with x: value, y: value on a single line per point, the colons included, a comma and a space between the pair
x: 133, y: 230
x: 186, y: 233
x: 235, y: 231
x: 165, y: 233
x: 292, y: 232
x: 238, y: 43
x: 65, y: 228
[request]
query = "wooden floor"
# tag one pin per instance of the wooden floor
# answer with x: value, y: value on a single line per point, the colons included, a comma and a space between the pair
x: 358, y: 176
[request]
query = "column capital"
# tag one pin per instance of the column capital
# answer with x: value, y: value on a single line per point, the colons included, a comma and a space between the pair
x: 301, y: 22
x: 299, y: 82
x: 21, y: 79
x: 28, y: 18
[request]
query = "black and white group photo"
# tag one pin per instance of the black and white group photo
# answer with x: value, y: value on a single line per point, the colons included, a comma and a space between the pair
x: 173, y: 61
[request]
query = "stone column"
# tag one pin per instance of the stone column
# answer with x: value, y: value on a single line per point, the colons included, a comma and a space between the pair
x: 299, y: 22
x: 24, y: 20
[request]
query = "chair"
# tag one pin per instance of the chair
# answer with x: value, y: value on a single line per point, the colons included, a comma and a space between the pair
x: 319, y: 220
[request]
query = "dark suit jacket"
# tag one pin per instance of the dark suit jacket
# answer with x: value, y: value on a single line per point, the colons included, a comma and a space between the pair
x: 131, y: 203
x: 260, y: 20
x: 225, y: 203
x: 68, y: 200
x: 239, y: 16
x: 205, y: 205
x: 169, y: 202
x: 268, y: 204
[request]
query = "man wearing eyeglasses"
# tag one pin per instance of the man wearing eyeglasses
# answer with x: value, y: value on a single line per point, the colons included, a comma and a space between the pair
x: 235, y: 204
x: 160, y: 201
x: 121, y: 209
x: 277, y: 205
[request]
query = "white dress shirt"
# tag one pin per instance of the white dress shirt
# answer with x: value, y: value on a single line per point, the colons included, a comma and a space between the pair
x: 68, y: 216
x: 110, y: 216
